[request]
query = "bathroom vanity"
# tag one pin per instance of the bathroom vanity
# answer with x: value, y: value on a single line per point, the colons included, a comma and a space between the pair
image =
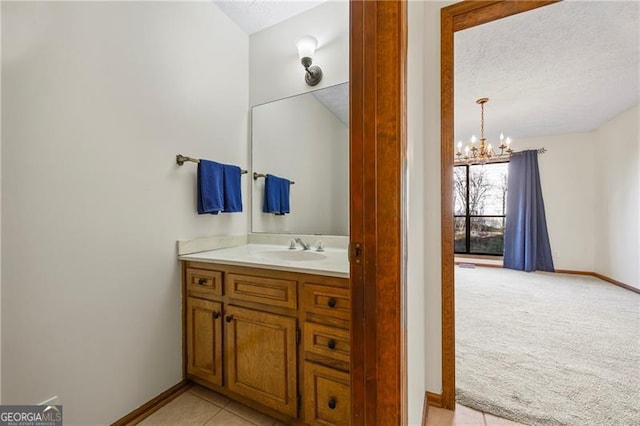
x: 269, y: 327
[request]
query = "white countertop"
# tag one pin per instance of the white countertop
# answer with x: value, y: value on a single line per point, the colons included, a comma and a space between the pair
x: 333, y: 262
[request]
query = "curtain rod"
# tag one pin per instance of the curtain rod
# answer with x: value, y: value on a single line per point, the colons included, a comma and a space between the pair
x: 540, y: 151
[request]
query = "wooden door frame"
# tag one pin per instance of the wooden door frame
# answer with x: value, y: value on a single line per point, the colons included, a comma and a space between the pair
x: 457, y: 17
x: 378, y: 54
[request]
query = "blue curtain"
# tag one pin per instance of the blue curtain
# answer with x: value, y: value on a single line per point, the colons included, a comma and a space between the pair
x: 526, y: 240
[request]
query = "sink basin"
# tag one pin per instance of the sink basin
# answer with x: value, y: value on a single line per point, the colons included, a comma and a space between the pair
x: 291, y: 255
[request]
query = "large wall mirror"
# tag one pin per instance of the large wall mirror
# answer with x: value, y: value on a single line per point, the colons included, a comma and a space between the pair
x: 304, y: 138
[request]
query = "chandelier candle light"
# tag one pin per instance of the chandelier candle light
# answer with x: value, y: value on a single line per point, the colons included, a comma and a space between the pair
x: 485, y: 152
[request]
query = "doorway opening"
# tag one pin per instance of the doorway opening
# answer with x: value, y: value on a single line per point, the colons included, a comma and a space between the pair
x: 457, y: 17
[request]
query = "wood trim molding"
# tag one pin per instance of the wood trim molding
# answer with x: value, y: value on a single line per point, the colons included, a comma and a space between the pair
x: 454, y: 18
x: 476, y: 13
x: 425, y: 410
x: 618, y: 283
x: 150, y: 407
x: 602, y: 277
x: 572, y: 272
x: 434, y: 399
x: 377, y: 159
x: 446, y: 168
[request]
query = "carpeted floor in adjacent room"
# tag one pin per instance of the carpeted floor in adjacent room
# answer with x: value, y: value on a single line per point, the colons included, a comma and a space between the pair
x: 547, y: 349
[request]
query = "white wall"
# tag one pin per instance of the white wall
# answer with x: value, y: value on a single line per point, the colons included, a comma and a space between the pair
x: 275, y: 69
x: 98, y: 99
x: 0, y: 216
x: 416, y: 333
x: 568, y: 179
x: 618, y: 178
x: 300, y: 139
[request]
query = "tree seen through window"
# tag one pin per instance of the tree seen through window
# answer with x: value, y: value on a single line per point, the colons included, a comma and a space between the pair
x: 480, y: 208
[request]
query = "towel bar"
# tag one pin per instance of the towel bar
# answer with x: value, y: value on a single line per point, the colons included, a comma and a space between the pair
x: 257, y: 175
x: 181, y: 159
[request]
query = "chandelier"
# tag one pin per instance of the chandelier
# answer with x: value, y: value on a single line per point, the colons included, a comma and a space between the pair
x: 485, y: 152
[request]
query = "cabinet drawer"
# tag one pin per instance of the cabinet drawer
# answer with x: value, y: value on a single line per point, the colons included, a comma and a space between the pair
x: 327, y: 341
x: 204, y: 282
x: 268, y: 291
x: 327, y: 396
x: 324, y: 300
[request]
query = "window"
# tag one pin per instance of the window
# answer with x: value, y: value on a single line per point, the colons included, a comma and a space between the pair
x: 480, y: 208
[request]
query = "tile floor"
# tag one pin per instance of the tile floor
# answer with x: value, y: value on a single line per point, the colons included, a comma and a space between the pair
x: 199, y: 406
x: 465, y: 416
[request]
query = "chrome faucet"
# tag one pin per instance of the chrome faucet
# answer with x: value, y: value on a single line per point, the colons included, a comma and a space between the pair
x: 304, y: 245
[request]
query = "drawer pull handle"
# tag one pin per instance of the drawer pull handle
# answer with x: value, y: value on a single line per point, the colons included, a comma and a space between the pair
x: 202, y: 281
x: 332, y: 403
x: 216, y: 315
x: 331, y: 303
x: 331, y: 344
x: 228, y: 318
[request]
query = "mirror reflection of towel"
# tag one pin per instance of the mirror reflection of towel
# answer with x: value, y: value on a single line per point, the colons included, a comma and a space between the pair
x: 276, y: 195
x: 219, y: 188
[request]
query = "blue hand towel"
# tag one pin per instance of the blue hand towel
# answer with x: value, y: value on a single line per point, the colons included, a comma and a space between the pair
x: 231, y: 185
x: 276, y: 195
x: 285, y: 186
x: 210, y: 187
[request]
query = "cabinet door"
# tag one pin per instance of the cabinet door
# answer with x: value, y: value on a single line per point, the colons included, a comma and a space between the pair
x: 260, y: 351
x: 204, y: 340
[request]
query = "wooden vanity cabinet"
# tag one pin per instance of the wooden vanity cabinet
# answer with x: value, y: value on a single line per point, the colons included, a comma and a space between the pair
x: 277, y: 341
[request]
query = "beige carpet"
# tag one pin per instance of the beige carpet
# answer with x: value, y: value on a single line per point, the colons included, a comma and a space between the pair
x: 547, y: 349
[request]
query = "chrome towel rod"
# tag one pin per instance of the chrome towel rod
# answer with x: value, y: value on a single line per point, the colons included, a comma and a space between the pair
x: 257, y: 175
x: 181, y: 159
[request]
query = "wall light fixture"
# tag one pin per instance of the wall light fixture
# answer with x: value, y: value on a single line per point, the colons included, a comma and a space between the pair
x: 306, y: 48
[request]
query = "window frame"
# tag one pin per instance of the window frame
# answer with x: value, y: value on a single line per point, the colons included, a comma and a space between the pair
x: 468, y: 217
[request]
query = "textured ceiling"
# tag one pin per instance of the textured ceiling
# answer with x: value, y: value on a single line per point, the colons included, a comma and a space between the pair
x: 255, y: 15
x: 564, y: 68
x: 335, y: 99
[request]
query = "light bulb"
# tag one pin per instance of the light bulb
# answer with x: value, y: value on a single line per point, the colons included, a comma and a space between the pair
x: 307, y: 47
x: 473, y: 139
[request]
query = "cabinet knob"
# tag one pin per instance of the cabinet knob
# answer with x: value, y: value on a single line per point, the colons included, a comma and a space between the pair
x: 228, y: 318
x: 332, y: 403
x: 331, y: 303
x: 216, y: 315
x: 331, y: 344
x: 202, y: 281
